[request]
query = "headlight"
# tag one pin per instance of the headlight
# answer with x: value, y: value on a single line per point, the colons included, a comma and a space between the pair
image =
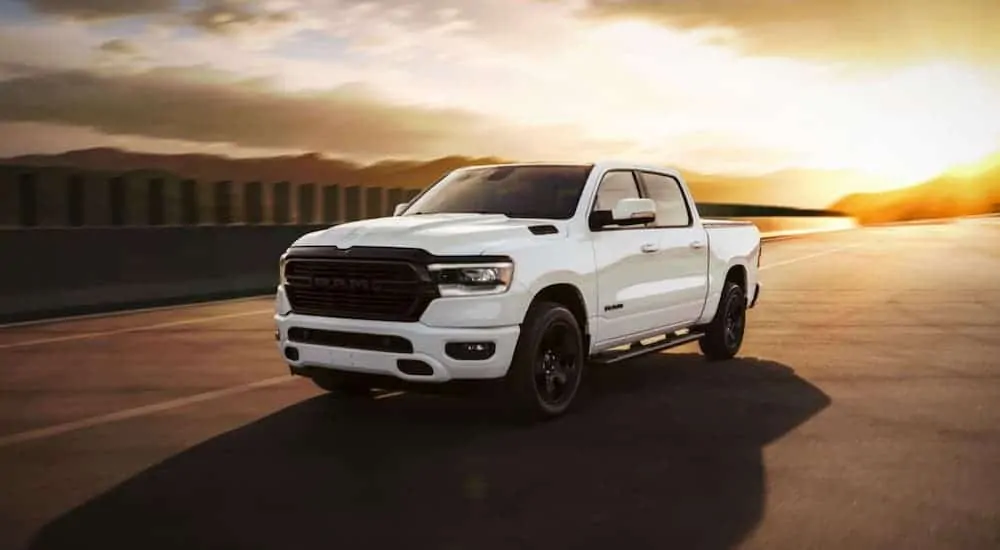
x: 281, y: 270
x: 472, y: 279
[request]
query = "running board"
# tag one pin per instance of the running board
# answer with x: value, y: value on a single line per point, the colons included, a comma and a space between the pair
x: 637, y: 349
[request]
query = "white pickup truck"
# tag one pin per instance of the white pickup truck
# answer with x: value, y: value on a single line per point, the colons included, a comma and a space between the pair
x: 522, y: 274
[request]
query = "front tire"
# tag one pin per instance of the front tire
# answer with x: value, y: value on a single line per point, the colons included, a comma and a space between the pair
x: 724, y: 335
x: 548, y: 364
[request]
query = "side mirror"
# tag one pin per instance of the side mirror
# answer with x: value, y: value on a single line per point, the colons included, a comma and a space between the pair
x: 399, y: 208
x: 626, y: 212
x: 634, y: 212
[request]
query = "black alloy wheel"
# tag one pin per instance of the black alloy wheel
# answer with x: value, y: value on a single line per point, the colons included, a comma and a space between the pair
x: 724, y: 335
x: 548, y: 365
x: 557, y: 364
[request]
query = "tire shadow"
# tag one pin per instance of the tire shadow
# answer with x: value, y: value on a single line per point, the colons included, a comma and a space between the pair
x: 662, y: 452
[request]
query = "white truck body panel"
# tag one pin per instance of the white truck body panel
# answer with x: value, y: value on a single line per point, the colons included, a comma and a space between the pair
x: 632, y: 283
x: 731, y: 244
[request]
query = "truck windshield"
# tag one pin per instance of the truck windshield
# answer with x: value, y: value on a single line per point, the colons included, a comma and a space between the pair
x: 531, y: 191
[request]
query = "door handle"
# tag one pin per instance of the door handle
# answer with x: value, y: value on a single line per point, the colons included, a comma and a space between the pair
x: 650, y: 247
x: 697, y: 244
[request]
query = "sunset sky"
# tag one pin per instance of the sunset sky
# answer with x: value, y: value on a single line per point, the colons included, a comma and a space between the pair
x: 902, y: 89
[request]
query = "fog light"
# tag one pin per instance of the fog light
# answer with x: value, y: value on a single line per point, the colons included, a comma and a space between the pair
x: 470, y: 351
x: 291, y: 354
x: 414, y: 367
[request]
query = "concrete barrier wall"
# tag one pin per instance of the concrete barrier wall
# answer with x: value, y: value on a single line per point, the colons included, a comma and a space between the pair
x: 67, y: 197
x: 54, y: 272
x: 759, y: 211
x: 69, y: 271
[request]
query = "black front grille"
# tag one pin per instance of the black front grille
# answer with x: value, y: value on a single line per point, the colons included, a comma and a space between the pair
x: 350, y: 340
x: 358, y: 289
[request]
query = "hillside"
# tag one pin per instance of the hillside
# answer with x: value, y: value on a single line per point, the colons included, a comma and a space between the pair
x: 296, y: 169
x: 791, y: 188
x: 963, y: 192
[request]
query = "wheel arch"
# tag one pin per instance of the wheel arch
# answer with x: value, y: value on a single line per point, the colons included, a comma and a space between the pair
x: 737, y: 274
x: 571, y: 297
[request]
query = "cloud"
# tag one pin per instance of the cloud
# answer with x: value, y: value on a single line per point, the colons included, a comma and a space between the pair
x: 119, y: 46
x: 101, y: 9
x: 255, y: 22
x: 54, y: 45
x: 203, y: 105
x: 521, y: 80
x: 407, y: 28
x: 66, y: 45
x: 884, y: 30
x: 229, y: 17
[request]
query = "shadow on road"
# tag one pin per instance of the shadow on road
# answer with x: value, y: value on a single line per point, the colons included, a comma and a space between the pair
x: 664, y: 453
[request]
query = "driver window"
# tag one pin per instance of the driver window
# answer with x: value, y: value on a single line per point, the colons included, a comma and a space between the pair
x: 614, y: 187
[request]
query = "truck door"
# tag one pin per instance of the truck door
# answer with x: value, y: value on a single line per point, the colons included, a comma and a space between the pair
x: 682, y: 251
x: 628, y: 279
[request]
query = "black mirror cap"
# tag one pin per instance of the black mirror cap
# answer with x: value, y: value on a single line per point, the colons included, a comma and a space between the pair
x: 600, y: 219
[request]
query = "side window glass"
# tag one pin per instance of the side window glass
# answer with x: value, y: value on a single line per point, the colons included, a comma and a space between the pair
x: 614, y: 187
x: 671, y: 210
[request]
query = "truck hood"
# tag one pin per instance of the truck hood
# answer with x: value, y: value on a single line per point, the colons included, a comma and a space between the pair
x: 440, y: 234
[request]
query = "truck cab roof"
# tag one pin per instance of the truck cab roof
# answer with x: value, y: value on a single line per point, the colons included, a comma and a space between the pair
x: 600, y: 165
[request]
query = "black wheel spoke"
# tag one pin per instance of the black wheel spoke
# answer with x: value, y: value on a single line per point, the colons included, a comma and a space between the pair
x: 724, y: 335
x: 556, y: 368
x: 734, y: 322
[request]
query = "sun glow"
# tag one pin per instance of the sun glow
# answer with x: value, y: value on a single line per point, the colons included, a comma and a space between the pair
x: 974, y: 169
x: 918, y: 122
x: 901, y: 124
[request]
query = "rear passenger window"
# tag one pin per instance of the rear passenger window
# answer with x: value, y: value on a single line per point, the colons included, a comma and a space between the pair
x: 671, y: 210
x: 614, y: 187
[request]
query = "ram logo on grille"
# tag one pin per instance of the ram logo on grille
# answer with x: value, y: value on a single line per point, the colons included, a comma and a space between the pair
x: 321, y: 282
x: 346, y: 284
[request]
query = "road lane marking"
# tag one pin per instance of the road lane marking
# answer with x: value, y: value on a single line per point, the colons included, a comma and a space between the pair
x: 145, y: 410
x: 141, y: 328
x: 42, y: 433
x: 810, y: 256
x: 127, y: 312
x: 389, y: 394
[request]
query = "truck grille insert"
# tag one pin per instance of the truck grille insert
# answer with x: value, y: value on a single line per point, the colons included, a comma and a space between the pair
x: 358, y: 289
x: 350, y: 340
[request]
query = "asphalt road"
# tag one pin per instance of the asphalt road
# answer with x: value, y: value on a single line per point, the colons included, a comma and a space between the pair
x: 864, y: 412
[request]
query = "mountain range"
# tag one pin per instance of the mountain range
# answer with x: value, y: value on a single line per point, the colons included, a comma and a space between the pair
x: 790, y: 188
x: 964, y: 191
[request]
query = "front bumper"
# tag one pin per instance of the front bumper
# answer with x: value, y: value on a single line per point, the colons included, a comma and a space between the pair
x: 428, y: 346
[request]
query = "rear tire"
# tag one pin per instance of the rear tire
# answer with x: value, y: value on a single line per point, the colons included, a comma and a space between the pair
x: 724, y: 335
x: 341, y: 387
x: 548, y: 365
